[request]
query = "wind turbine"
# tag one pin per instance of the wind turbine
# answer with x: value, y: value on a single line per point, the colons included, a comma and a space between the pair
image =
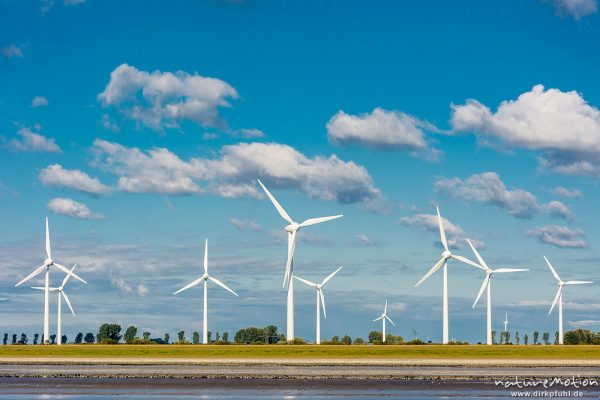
x: 292, y: 230
x: 506, y: 322
x: 558, y: 298
x: 61, y: 293
x: 487, y: 283
x: 205, y: 278
x: 320, y: 300
x: 48, y: 262
x: 383, y: 317
x: 446, y: 255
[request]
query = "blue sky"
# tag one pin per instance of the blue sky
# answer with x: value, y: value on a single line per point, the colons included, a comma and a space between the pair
x: 140, y: 128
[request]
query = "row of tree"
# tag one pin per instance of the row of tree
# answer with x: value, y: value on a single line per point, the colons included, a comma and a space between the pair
x: 505, y: 338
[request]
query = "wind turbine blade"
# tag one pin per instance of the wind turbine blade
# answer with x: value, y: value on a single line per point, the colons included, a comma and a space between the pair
x: 485, y: 283
x: 314, y: 221
x: 481, y: 262
x: 291, y: 249
x: 469, y: 262
x: 206, y: 256
x: 577, y: 282
x: 48, y: 249
x: 64, y: 295
x: 323, y: 303
x: 385, y: 308
x: 502, y: 270
x: 392, y: 322
x: 431, y: 271
x: 38, y: 288
x: 31, y: 275
x: 280, y: 209
x: 377, y: 319
x: 552, y: 269
x: 330, y: 276
x: 224, y: 286
x: 555, y: 298
x: 186, y: 287
x: 67, y: 277
x: 442, y: 233
x: 309, y: 283
x: 65, y: 270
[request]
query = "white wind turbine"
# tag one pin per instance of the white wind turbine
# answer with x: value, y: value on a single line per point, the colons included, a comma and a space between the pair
x: 506, y: 322
x: 558, y: 298
x: 487, y: 283
x: 292, y: 230
x: 48, y: 262
x: 383, y: 317
x: 61, y: 293
x: 320, y: 300
x: 205, y: 278
x: 446, y: 255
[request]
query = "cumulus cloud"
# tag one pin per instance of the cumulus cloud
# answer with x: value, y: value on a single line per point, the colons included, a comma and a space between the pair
x: 161, y: 100
x: 455, y: 235
x: 108, y: 123
x: 12, y: 51
x: 569, y: 193
x: 575, y: 9
x: 488, y: 188
x: 39, y: 101
x: 57, y: 176
x: 245, y: 224
x: 559, y: 236
x: 30, y: 141
x: 71, y: 208
x: 233, y: 173
x: 560, y: 124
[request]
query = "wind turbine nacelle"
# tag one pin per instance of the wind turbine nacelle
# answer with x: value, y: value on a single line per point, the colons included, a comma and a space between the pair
x: 48, y: 262
x: 292, y: 227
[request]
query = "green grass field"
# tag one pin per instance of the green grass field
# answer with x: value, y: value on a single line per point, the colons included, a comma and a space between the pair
x: 305, y: 351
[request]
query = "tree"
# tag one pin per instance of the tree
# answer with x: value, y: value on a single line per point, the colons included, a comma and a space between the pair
x: 23, y: 339
x: 556, y: 337
x: 196, y: 337
x: 359, y: 340
x: 578, y: 336
x: 335, y: 339
x: 375, y: 336
x: 109, y: 333
x: 64, y: 339
x: 502, y: 337
x: 536, y: 337
x: 347, y: 339
x: 208, y: 336
x: 14, y: 338
x: 525, y: 339
x: 517, y: 338
x: 272, y: 336
x: 268, y: 334
x: 5, y: 340
x: 130, y: 334
x: 506, y: 337
x: 217, y: 336
x: 167, y: 337
x: 35, y: 338
x: 546, y: 338
x: 146, y: 335
x: 79, y: 338
x: 53, y: 338
x: 225, y: 337
x: 181, y: 336
x: 493, y: 337
x: 89, y: 338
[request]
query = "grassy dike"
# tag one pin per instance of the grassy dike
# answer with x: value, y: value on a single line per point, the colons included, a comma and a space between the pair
x: 305, y: 352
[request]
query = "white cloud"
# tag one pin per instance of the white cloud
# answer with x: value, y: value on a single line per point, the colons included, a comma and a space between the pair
x: 73, y: 2
x: 561, y: 124
x: 586, y: 323
x: 39, y: 101
x: 365, y: 240
x: 71, y: 208
x: 245, y: 224
x: 12, y: 51
x: 108, y: 124
x: 55, y: 175
x: 488, y: 188
x: 569, y: 193
x: 33, y: 142
x: 576, y: 9
x: 248, y: 133
x: 234, y: 172
x: 161, y: 100
x: 559, y: 236
x: 455, y: 235
x: 142, y: 290
x: 380, y: 129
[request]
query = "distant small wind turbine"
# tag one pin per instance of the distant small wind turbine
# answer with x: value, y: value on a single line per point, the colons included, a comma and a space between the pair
x: 205, y: 278
x: 292, y: 230
x: 506, y: 322
x: 487, y: 283
x: 446, y: 255
x: 49, y: 262
x: 320, y: 300
x: 383, y: 317
x: 61, y: 293
x: 558, y: 298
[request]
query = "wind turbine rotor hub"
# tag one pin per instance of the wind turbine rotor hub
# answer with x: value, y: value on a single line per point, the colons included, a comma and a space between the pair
x: 446, y: 254
x: 48, y: 262
x: 292, y: 227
